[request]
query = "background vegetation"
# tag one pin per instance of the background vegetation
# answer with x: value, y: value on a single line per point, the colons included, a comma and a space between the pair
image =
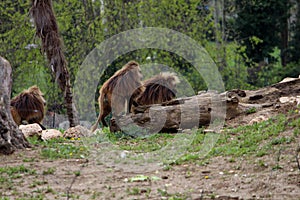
x: 250, y: 44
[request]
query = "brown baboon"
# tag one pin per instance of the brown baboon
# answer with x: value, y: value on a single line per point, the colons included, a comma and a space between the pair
x: 158, y: 89
x: 28, y: 107
x: 119, y: 91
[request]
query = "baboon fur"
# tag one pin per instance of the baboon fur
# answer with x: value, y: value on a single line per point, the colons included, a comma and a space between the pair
x: 119, y: 92
x: 159, y: 89
x: 28, y: 107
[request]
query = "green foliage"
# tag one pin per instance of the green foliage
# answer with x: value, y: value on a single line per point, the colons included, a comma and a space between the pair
x: 234, y: 73
x: 85, y: 24
x: 22, y: 50
x: 294, y: 43
x: 275, y: 72
x: 264, y: 20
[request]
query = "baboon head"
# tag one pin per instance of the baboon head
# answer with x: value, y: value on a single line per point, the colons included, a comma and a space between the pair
x: 36, y: 92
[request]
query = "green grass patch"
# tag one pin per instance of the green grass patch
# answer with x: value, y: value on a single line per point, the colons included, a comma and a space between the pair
x: 141, y: 145
x: 249, y: 140
x: 10, y: 173
x: 61, y: 148
x: 48, y: 171
x: 258, y: 140
x: 251, y: 110
x: 21, y: 169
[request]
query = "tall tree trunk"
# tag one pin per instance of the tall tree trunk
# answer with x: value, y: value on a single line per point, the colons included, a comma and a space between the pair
x: 284, y: 38
x: 220, y: 33
x: 217, y: 23
x: 47, y: 30
x: 223, y: 42
x: 11, y: 138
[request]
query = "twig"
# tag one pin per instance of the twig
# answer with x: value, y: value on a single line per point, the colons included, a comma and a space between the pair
x: 73, y: 181
x: 297, y: 157
x: 69, y: 188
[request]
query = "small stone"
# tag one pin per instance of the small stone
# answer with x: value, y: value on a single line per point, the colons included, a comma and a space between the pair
x: 31, y: 130
x: 76, y: 132
x: 258, y: 119
x: 124, y: 154
x: 50, y: 134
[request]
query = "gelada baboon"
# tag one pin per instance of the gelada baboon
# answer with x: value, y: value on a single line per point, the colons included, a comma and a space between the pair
x: 158, y: 89
x: 119, y: 91
x: 28, y: 107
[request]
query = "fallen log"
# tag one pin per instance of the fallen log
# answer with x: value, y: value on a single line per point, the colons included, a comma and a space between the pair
x: 178, y: 114
x: 205, y: 109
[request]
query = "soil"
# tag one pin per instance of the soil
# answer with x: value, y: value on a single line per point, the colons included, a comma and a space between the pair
x: 219, y: 179
x: 268, y: 177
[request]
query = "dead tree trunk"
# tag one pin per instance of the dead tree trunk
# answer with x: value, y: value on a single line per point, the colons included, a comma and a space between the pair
x: 47, y: 30
x: 197, y: 110
x: 11, y: 138
x: 178, y: 114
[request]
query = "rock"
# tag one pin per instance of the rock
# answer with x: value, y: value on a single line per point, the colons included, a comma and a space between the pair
x: 86, y: 124
x: 225, y: 197
x: 76, y: 132
x: 202, y: 92
x: 65, y: 125
x: 258, y: 119
x: 50, y: 134
x: 31, y: 130
x: 188, y: 131
x: 287, y: 79
x: 288, y: 99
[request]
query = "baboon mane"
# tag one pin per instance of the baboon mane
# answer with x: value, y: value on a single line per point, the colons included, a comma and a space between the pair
x: 159, y: 89
x: 29, y: 105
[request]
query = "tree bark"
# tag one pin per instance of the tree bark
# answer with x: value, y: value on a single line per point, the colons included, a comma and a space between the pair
x: 11, y: 138
x: 47, y: 30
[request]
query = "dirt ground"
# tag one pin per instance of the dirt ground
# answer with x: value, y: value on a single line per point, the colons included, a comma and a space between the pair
x: 219, y: 178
